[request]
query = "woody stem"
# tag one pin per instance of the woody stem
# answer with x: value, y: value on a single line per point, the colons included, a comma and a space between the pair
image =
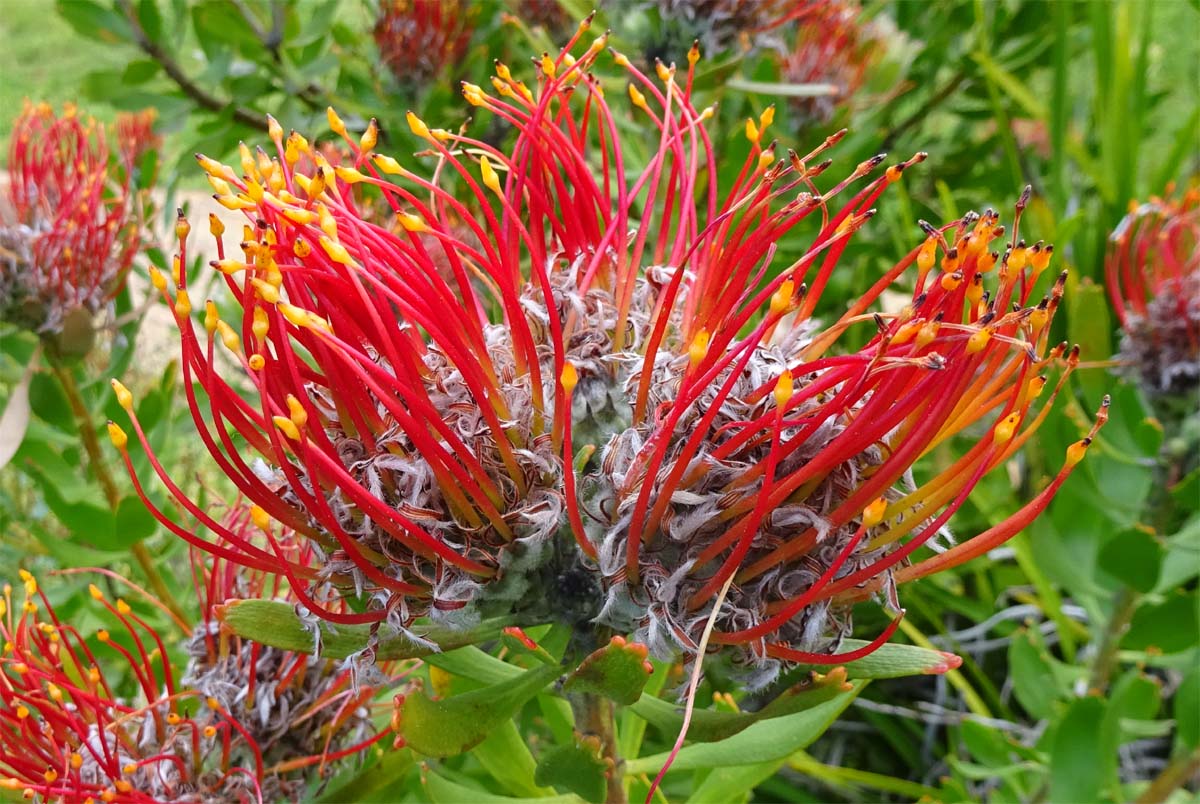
x: 599, y: 720
x: 99, y: 470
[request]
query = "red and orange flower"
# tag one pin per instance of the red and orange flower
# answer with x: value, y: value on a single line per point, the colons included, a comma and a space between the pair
x: 602, y: 370
x: 71, y: 234
x: 238, y: 723
x: 418, y: 39
x: 66, y: 734
x: 1153, y: 272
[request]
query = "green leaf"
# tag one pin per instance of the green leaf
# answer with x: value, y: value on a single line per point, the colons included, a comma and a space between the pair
x: 49, y: 402
x: 724, y: 785
x: 134, y: 522
x: 576, y: 768
x: 151, y: 19
x: 504, y: 755
x: 772, y: 739
x: 139, y: 71
x: 988, y: 745
x: 1134, y: 702
x: 275, y: 623
x: 1186, y: 704
x: 1134, y: 557
x: 1089, y: 324
x: 1171, y: 626
x: 618, y: 671
x: 443, y: 791
x: 709, y: 725
x: 93, y: 21
x: 1081, y: 753
x: 449, y: 727
x: 1032, y: 676
x: 378, y: 783
x: 894, y: 660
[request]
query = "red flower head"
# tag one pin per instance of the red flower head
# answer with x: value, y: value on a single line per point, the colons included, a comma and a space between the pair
x: 1153, y: 270
x: 72, y: 238
x: 67, y: 735
x: 727, y: 25
x: 299, y: 709
x: 831, y: 47
x: 136, y: 135
x: 418, y: 39
x: 614, y: 356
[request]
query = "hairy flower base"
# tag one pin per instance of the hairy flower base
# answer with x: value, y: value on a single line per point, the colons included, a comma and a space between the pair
x: 418, y: 39
x: 1153, y: 269
x: 236, y: 725
x: 66, y: 251
x: 592, y: 368
x: 65, y: 735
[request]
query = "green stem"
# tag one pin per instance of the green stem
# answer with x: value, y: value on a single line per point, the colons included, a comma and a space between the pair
x: 1174, y: 776
x: 99, y: 469
x: 599, y: 719
x: 1106, y: 657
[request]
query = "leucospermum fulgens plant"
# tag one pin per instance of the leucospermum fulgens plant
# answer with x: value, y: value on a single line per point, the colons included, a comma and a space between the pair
x: 591, y: 392
x: 1153, y: 277
x: 237, y: 722
x: 418, y: 39
x: 73, y: 233
x: 67, y: 735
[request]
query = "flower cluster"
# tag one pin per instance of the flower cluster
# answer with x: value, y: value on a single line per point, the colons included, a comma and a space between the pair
x: 418, y: 39
x: 831, y: 47
x: 730, y: 24
x: 136, y: 135
x: 66, y: 733
x: 72, y: 234
x: 602, y: 369
x: 1153, y: 272
x: 298, y: 709
x: 237, y: 724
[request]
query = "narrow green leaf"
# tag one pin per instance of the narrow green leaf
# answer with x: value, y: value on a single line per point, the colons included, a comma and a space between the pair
x: 449, y: 727
x: 577, y: 767
x: 894, y: 660
x: 709, y: 725
x: 1186, y: 704
x: 1089, y: 324
x: 1080, y: 753
x: 443, y: 791
x: 724, y: 785
x: 1032, y: 676
x: 379, y: 782
x: 772, y: 739
x: 274, y: 623
x: 505, y: 756
x: 475, y: 664
x: 94, y: 21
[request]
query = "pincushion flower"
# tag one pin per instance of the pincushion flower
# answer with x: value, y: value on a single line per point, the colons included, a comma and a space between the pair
x: 1153, y: 272
x: 238, y: 723
x: 67, y: 735
x: 609, y: 374
x: 831, y: 46
x: 68, y: 245
x: 299, y: 709
x: 418, y: 39
x: 731, y: 24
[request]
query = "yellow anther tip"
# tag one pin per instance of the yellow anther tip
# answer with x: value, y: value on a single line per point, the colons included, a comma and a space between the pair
x: 873, y: 513
x: 119, y: 439
x: 569, y: 377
